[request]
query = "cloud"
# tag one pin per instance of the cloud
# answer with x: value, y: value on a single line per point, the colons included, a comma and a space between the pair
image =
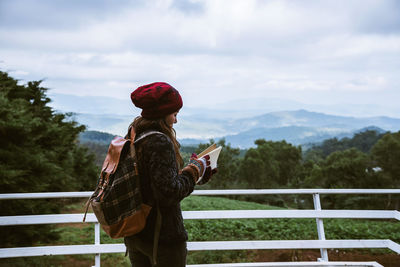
x: 212, y: 50
x: 57, y: 15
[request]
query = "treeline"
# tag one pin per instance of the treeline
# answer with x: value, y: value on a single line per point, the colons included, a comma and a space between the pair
x: 368, y: 160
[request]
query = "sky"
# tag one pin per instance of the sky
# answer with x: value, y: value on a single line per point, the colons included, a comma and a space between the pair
x: 344, y: 55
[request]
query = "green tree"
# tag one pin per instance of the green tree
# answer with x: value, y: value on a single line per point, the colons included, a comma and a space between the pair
x: 362, y: 141
x: 258, y: 169
x: 39, y: 152
x: 386, y: 154
x: 345, y: 169
x: 271, y: 164
x: 350, y: 168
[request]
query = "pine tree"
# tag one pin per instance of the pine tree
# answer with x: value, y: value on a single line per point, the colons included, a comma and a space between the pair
x: 38, y: 153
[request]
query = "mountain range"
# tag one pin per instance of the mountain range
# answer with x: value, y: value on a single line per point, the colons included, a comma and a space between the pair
x: 239, y: 127
x: 298, y: 127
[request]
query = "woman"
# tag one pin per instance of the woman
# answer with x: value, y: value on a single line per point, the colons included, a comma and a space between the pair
x: 163, y: 183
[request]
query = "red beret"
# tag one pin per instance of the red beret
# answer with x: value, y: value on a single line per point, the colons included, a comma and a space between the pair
x: 157, y: 100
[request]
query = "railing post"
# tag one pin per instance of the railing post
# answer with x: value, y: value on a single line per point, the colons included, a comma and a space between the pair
x: 320, y: 228
x: 97, y: 242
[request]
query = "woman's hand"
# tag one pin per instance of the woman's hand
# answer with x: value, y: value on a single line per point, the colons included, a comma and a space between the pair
x: 202, y: 167
x: 207, y: 172
x: 201, y: 163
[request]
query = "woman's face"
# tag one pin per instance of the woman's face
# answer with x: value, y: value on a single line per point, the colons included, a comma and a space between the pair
x: 171, y: 119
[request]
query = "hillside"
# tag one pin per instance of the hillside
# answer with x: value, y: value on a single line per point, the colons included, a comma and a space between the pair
x: 297, y: 127
x: 239, y: 126
x: 296, y: 135
x: 96, y: 137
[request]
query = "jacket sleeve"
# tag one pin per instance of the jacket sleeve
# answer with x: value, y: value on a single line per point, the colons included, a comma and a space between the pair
x: 168, y: 186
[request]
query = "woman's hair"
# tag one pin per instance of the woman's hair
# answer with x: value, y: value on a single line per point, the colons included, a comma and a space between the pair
x: 141, y: 124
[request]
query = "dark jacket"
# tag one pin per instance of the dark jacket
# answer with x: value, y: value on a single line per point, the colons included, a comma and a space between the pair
x: 161, y: 183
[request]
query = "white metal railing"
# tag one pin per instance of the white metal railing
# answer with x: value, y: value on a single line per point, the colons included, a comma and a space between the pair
x: 318, y: 213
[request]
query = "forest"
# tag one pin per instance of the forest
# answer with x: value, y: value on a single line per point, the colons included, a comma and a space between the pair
x: 42, y: 150
x: 367, y: 160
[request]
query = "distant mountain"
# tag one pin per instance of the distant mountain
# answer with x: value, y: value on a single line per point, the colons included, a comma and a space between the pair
x: 240, y: 122
x: 296, y: 135
x: 314, y: 119
x: 297, y: 127
x: 292, y: 134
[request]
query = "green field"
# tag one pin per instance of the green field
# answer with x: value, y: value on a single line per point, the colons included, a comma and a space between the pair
x: 218, y: 230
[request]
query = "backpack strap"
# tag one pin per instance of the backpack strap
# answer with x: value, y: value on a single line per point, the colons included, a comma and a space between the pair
x: 146, y: 134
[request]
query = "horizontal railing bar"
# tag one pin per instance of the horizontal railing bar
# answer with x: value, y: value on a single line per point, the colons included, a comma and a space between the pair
x: 291, y: 244
x: 46, y: 219
x: 260, y: 214
x: 213, y: 214
x: 85, y: 194
x: 197, y: 246
x: 61, y: 250
x: 292, y: 263
x: 293, y: 191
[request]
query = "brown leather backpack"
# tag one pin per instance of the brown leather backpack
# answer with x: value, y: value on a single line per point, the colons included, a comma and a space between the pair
x: 117, y: 200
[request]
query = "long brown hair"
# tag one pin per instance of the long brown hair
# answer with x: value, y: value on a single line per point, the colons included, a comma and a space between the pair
x: 141, y: 124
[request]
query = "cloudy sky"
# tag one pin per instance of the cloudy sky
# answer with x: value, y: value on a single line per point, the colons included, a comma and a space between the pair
x: 341, y: 54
